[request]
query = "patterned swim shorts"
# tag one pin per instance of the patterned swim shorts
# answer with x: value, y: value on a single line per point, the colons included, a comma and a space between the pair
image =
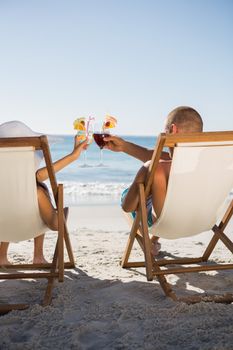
x: 148, y: 207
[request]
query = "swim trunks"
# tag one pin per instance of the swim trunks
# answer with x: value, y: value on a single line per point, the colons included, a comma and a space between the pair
x: 149, y: 206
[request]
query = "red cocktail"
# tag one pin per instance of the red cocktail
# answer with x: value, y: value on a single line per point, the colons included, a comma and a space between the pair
x: 99, y: 139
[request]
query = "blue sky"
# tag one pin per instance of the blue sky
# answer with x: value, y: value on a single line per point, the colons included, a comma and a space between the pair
x: 135, y: 59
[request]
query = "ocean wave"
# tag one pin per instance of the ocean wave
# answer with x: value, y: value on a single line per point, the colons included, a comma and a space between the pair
x: 110, y: 189
x: 94, y: 189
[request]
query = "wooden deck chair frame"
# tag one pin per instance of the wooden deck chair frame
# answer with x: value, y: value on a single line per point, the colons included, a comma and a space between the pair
x: 139, y: 231
x: 56, y: 268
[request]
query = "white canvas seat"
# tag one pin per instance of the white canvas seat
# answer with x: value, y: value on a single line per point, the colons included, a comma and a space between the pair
x: 19, y: 211
x: 201, y: 179
x: 197, y: 200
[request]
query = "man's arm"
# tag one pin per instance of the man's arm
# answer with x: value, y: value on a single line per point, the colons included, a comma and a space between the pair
x: 130, y: 202
x: 138, y: 152
x: 117, y: 144
x: 158, y: 189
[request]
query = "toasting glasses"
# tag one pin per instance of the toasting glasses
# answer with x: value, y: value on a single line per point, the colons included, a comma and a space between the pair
x: 101, y: 130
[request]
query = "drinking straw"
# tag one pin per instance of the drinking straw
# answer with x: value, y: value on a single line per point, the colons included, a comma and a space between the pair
x: 88, y: 123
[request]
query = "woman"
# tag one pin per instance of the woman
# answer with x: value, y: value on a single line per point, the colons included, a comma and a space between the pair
x: 47, y: 211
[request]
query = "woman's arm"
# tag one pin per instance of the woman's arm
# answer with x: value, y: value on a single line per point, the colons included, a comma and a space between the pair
x: 42, y: 174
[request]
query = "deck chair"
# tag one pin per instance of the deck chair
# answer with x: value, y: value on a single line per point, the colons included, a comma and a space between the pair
x: 200, y: 181
x: 19, y: 212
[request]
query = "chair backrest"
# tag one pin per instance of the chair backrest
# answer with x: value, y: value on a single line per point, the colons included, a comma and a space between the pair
x: 200, y: 181
x: 19, y: 212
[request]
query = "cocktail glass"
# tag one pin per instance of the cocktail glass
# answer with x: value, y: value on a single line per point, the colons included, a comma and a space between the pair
x: 99, y: 135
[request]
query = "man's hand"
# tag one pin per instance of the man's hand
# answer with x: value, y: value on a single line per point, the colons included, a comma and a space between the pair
x: 114, y: 143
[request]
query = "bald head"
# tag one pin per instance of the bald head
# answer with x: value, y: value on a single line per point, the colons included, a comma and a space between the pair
x: 185, y: 118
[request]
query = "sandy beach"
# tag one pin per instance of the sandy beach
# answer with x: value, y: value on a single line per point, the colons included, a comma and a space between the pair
x: 102, y: 306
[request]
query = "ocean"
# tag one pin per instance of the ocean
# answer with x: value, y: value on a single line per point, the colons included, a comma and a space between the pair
x: 93, y: 184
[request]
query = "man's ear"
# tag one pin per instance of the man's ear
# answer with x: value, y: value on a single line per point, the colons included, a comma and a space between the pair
x: 174, y: 129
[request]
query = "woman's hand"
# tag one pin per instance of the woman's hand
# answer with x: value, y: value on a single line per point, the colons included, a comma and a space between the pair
x: 79, y: 147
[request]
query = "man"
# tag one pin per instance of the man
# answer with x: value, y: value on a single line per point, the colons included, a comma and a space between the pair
x: 180, y: 120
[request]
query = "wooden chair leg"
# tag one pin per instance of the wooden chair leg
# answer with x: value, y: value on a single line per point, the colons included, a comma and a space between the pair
x: 130, y: 242
x: 166, y: 287
x: 218, y: 234
x: 49, y: 288
x: 225, y: 299
x: 69, y: 248
x: 227, y: 217
x: 48, y: 293
x: 4, y: 309
x: 139, y: 238
x: 145, y: 233
x: 60, y: 234
x: 221, y: 235
x: 210, y: 247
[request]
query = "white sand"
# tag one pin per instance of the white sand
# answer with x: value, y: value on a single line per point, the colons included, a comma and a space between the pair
x: 102, y: 306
